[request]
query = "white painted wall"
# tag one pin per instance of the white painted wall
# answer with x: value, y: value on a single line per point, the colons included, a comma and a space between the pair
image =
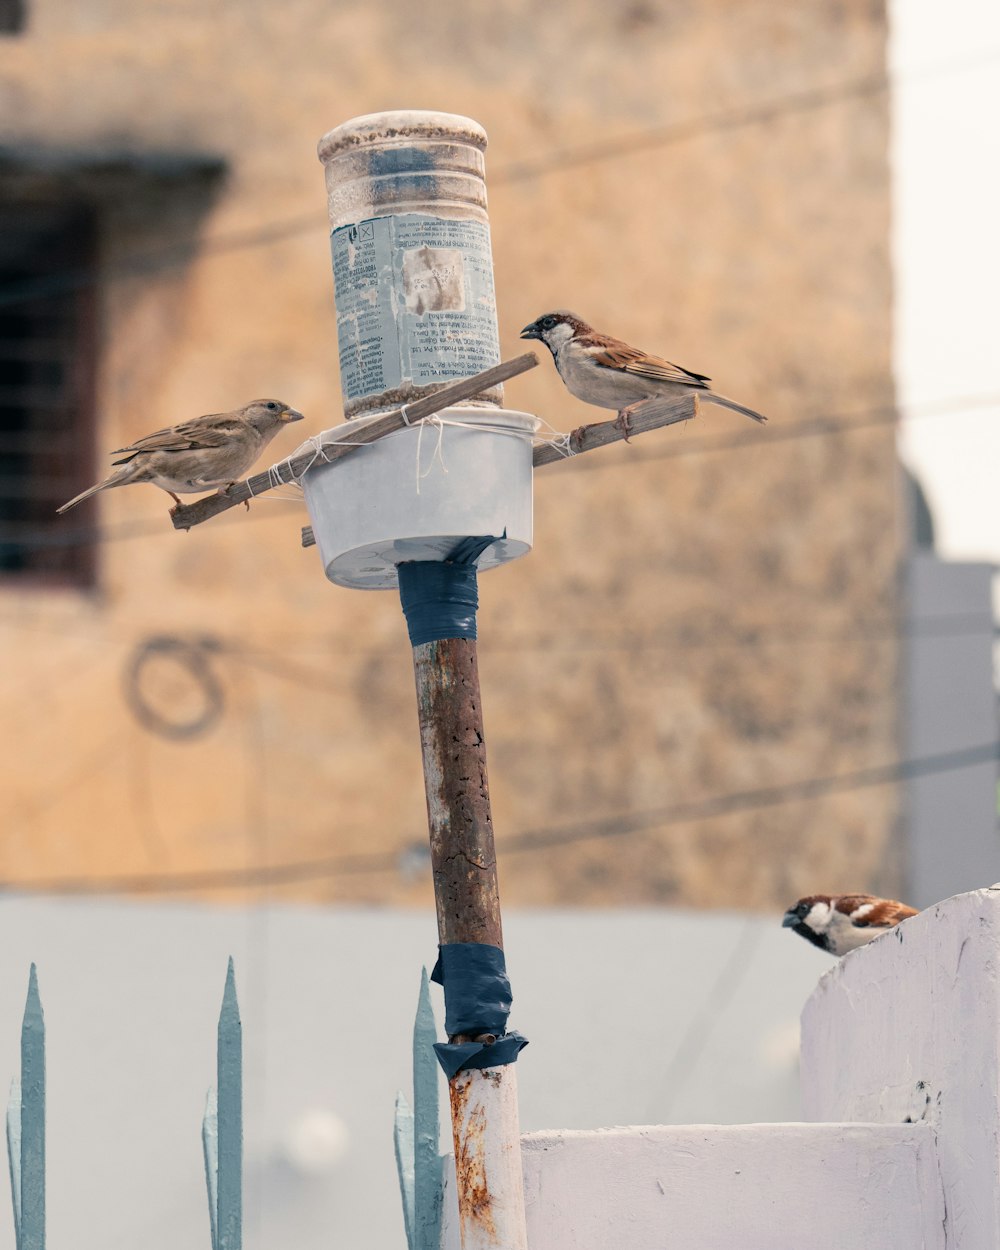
x: 908, y: 1028
x: 752, y: 1186
x: 901, y: 1074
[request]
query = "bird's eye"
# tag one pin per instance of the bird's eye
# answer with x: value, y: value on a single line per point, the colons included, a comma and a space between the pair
x: 272, y: 405
x: 548, y: 323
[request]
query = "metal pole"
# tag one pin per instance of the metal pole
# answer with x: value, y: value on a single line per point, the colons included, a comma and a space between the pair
x: 483, y: 1101
x: 458, y: 795
x: 416, y: 310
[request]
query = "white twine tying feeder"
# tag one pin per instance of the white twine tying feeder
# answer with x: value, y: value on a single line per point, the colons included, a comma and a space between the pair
x: 417, y: 494
x: 413, y: 271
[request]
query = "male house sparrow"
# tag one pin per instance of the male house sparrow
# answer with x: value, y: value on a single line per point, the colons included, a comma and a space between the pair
x: 839, y: 923
x: 609, y: 373
x: 196, y: 455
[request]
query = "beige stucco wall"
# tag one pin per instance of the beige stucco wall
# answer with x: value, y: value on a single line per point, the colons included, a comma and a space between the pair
x: 614, y: 674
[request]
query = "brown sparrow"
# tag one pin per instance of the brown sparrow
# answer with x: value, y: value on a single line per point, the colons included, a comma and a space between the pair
x: 196, y: 455
x: 609, y: 373
x: 839, y: 923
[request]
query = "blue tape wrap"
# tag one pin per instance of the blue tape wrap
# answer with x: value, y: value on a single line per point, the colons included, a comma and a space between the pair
x: 440, y: 597
x: 477, y: 1001
x: 439, y: 600
x: 477, y: 995
x: 454, y: 1057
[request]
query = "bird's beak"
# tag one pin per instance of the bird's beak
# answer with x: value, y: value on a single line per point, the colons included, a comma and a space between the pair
x: 790, y: 920
x: 530, y: 332
x: 290, y: 414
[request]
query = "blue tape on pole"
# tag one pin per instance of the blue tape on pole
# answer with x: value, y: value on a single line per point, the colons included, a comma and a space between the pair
x: 477, y: 1002
x: 439, y: 600
x: 468, y: 550
x: 455, y: 1057
x: 477, y: 995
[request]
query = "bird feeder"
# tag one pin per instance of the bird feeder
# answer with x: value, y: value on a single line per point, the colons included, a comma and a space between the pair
x: 428, y: 481
x: 418, y: 494
x: 413, y: 271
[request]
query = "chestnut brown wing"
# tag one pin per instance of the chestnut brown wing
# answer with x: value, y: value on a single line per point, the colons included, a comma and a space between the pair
x: 630, y: 360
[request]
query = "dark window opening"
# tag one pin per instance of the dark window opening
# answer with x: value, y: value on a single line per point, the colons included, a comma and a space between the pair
x: 47, y: 355
x: 13, y: 15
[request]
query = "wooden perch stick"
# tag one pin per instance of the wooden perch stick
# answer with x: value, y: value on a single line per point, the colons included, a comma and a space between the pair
x: 184, y: 516
x: 652, y: 415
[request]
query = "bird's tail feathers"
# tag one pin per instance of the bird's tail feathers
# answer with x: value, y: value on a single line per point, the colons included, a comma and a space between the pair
x: 120, y: 478
x: 725, y: 402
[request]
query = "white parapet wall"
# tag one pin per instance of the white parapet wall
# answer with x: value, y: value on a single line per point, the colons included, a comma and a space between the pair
x: 907, y: 1030
x: 901, y: 1085
x: 713, y: 1187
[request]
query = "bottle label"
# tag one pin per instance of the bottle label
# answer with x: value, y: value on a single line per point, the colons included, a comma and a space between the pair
x: 415, y: 302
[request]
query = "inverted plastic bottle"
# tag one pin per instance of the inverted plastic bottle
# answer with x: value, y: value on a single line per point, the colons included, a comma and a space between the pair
x: 412, y: 262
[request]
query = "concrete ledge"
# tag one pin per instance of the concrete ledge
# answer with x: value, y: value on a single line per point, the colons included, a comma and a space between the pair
x: 907, y: 1029
x: 712, y: 1187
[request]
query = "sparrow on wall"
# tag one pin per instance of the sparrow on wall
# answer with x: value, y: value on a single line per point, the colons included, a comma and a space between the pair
x: 606, y: 372
x: 838, y: 923
x: 215, y: 450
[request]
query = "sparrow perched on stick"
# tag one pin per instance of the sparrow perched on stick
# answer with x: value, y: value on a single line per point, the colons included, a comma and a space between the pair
x: 609, y: 373
x: 196, y: 455
x: 839, y: 923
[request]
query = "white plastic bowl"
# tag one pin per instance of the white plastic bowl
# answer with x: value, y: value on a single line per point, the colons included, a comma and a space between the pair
x: 417, y: 494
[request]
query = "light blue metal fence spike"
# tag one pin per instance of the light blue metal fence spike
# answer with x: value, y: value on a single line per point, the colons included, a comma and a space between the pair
x: 229, y: 1111
x: 14, y: 1154
x: 403, y: 1140
x: 428, y: 1165
x: 32, y: 1231
x: 210, y: 1147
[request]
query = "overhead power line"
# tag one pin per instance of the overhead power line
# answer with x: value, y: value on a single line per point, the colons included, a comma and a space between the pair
x: 806, y: 100
x: 622, y: 825
x: 752, y: 800
x: 179, y: 253
x: 830, y: 425
x: 811, y: 427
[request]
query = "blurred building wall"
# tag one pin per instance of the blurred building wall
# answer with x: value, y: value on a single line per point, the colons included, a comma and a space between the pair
x: 951, y: 706
x: 698, y: 620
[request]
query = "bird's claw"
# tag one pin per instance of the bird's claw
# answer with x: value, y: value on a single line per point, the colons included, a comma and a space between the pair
x: 623, y: 422
x: 228, y: 489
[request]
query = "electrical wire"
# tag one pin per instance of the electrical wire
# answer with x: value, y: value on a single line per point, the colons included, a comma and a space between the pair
x: 818, y: 426
x: 752, y: 800
x: 807, y: 100
x: 703, y: 1022
x: 321, y: 678
x: 621, y: 825
x: 59, y: 786
x: 155, y: 841
x: 32, y: 535
x: 810, y: 427
x: 179, y: 253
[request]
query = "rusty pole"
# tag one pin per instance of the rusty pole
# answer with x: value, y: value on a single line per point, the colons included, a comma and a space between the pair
x: 458, y: 795
x: 413, y: 271
x: 483, y: 1101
